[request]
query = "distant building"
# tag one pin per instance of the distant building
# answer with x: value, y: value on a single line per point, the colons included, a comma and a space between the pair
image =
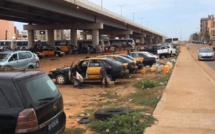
x: 207, y: 27
x: 7, y: 30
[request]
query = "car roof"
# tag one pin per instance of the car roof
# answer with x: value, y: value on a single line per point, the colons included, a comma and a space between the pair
x: 95, y: 58
x: 9, y: 52
x: 17, y: 74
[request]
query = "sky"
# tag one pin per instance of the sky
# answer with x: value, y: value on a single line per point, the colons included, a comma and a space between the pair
x: 172, y: 18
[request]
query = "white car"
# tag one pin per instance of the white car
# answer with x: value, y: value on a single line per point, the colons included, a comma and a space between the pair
x: 37, y: 60
x: 150, y: 55
x: 205, y: 53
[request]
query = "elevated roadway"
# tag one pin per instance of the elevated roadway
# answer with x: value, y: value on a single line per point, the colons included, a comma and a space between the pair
x: 74, y: 15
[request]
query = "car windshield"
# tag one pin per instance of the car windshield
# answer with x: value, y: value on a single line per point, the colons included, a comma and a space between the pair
x: 40, y: 88
x: 205, y: 50
x: 4, y: 57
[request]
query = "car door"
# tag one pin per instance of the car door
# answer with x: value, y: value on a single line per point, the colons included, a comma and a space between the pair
x: 14, y: 61
x: 93, y: 70
x: 23, y: 60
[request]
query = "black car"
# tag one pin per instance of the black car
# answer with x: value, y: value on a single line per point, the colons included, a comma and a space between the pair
x: 30, y: 103
x: 146, y: 61
x: 151, y: 48
x: 129, y: 64
x: 89, y: 69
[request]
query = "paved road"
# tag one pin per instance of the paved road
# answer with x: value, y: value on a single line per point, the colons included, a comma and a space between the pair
x: 196, y: 47
x: 187, y: 105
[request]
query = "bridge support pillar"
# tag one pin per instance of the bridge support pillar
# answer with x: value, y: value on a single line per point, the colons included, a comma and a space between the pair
x: 127, y: 36
x: 142, y: 40
x: 51, y: 37
x: 31, y: 38
x: 95, y: 33
x: 73, y: 34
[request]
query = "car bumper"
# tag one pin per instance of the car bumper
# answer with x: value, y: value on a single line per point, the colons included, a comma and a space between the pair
x: 133, y: 69
x: 206, y: 58
x: 51, y: 75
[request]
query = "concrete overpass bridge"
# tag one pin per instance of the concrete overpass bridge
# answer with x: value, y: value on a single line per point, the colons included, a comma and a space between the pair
x: 75, y: 15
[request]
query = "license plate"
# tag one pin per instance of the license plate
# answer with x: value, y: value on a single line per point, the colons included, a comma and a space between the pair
x: 53, y: 124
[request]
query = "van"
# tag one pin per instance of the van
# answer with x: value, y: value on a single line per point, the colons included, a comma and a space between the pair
x: 17, y: 59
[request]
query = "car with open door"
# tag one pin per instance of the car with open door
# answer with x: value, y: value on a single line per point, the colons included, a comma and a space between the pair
x: 89, y: 68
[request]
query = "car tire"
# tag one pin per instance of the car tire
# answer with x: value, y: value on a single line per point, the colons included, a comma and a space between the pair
x: 30, y: 67
x: 57, y: 55
x: 37, y: 64
x: 103, y: 114
x: 61, y: 79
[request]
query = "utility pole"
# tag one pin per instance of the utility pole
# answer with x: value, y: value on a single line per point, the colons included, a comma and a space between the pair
x: 121, y: 8
x: 133, y: 16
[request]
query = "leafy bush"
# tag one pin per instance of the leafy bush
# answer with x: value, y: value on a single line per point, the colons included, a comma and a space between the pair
x: 130, y: 123
x: 145, y: 84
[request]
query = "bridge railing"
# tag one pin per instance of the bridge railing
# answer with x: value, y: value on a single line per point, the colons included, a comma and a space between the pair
x: 96, y: 8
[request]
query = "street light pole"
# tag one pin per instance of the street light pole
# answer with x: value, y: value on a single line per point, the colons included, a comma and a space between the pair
x: 141, y: 20
x: 133, y: 16
x: 121, y: 8
x: 101, y: 4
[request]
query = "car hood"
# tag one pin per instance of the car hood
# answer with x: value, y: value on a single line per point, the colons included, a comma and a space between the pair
x: 61, y: 68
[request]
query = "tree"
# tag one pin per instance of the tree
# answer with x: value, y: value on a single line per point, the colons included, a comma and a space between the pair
x: 196, y: 36
x: 207, y: 36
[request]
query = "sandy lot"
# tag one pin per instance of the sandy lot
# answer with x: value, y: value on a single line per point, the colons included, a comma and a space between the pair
x: 76, y: 100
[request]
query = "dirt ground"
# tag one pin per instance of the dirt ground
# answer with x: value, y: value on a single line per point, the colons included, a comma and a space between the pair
x: 76, y: 100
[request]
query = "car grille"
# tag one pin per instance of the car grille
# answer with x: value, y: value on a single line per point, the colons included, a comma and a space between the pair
x: 207, y: 56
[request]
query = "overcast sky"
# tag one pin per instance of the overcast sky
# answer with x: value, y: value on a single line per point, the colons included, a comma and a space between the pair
x: 173, y: 18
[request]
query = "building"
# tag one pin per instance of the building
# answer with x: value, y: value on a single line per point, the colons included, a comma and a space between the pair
x: 203, y: 28
x: 207, y: 26
x: 7, y: 30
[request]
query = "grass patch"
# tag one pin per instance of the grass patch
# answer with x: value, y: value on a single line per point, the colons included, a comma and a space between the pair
x: 130, y: 123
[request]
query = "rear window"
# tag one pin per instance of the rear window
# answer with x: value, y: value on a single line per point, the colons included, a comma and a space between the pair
x: 3, y: 100
x: 40, y: 87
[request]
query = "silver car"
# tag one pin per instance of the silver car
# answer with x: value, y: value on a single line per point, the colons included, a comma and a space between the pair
x: 205, y: 53
x: 17, y: 59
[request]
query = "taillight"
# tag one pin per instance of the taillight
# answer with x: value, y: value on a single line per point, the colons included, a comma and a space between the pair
x: 27, y: 121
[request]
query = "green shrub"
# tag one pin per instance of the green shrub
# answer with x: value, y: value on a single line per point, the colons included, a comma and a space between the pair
x: 145, y: 84
x: 130, y: 123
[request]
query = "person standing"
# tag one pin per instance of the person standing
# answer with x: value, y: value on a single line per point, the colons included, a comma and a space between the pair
x: 104, y: 78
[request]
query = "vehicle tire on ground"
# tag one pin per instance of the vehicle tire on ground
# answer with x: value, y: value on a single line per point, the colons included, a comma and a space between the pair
x: 103, y: 114
x: 30, y: 67
x: 61, y: 79
x: 57, y: 55
x: 37, y: 64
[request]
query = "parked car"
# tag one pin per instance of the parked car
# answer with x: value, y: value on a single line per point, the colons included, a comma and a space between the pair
x: 138, y: 61
x: 150, y: 48
x: 166, y: 50
x: 37, y: 60
x: 150, y: 55
x: 51, y: 51
x: 205, y: 53
x: 90, y: 70
x: 17, y: 59
x: 147, y: 60
x: 74, y: 49
x: 129, y: 64
x: 30, y: 103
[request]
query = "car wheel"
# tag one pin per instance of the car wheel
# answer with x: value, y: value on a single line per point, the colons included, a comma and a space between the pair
x: 103, y: 114
x: 57, y: 55
x: 30, y: 67
x: 61, y: 79
x: 37, y: 64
